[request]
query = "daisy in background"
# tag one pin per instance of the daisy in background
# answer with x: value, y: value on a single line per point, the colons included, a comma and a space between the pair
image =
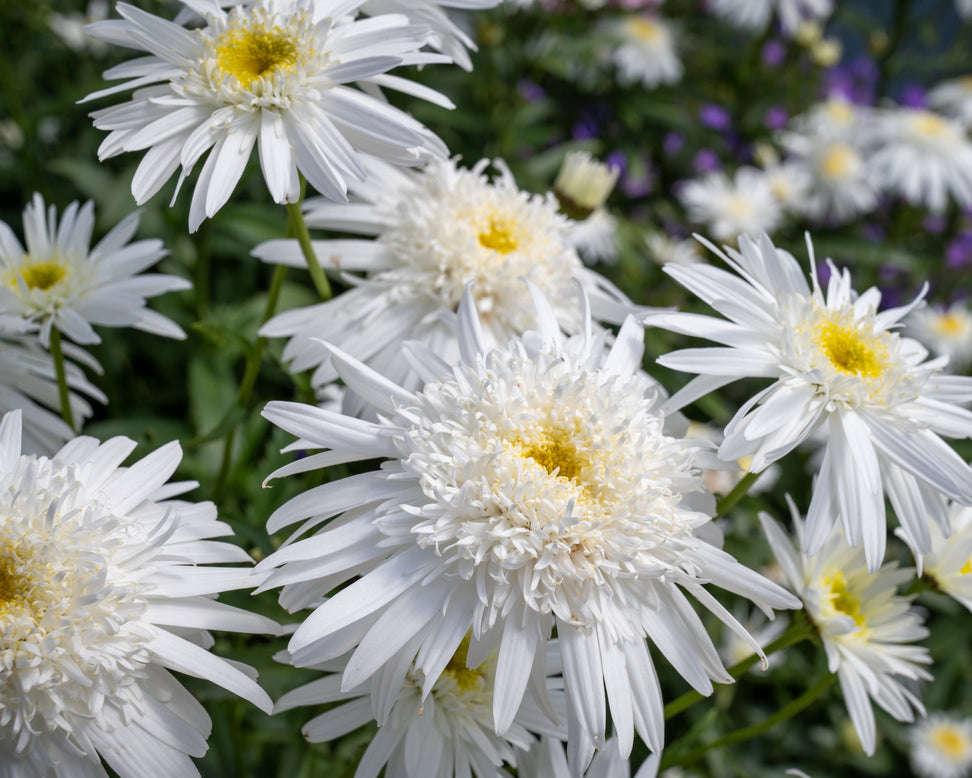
x: 945, y: 331
x: 868, y: 631
x: 28, y: 383
x: 527, y: 487
x: 663, y: 249
x: 836, y: 368
x: 728, y: 207
x: 272, y: 74
x: 582, y: 186
x: 433, y: 728
x: 756, y: 14
x: 59, y: 282
x: 922, y: 156
x: 108, y: 584
x: 432, y: 233
x: 941, y: 746
x: 547, y: 760
x: 949, y: 562
x: 953, y: 98
x: 645, y: 52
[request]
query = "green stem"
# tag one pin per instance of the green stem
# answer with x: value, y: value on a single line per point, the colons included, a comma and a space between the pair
x: 798, y: 631
x: 62, y: 385
x: 786, y: 712
x: 727, y: 503
x: 298, y: 228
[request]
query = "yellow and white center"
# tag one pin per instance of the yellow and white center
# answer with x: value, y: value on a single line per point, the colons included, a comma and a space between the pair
x: 839, y: 598
x: 850, y: 348
x: 39, y: 275
x: 501, y: 234
x: 838, y: 162
x: 645, y: 30
x: 255, y: 50
x: 951, y: 741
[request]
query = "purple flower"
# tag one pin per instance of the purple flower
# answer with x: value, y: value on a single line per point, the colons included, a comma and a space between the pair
x: 706, y: 160
x: 823, y: 273
x: 714, y: 117
x: 914, y: 96
x: 585, y: 129
x: 530, y: 90
x: 933, y: 224
x: 775, y: 117
x: 958, y: 253
x: 672, y: 143
x: 617, y: 160
x: 774, y: 52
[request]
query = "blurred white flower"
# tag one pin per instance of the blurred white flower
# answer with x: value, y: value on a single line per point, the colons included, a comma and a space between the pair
x: 924, y: 157
x: 868, y: 631
x: 58, y: 281
x: 664, y: 249
x: 645, y: 52
x: 69, y: 27
x: 271, y: 74
x: 941, y: 746
x: 728, y: 208
x: 835, y: 365
x: 756, y: 14
x: 949, y: 561
x: 527, y: 487
x: 953, y: 98
x: 437, y: 230
x: 944, y: 331
x: 107, y: 584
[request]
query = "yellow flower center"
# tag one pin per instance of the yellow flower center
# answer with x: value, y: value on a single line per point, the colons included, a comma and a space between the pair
x: 839, y: 111
x: 465, y: 678
x: 42, y: 275
x: 951, y: 742
x: 838, y: 161
x: 555, y: 452
x: 500, y: 236
x: 249, y: 53
x: 11, y: 584
x: 841, y: 598
x: 644, y: 29
x: 849, y: 350
x: 966, y: 568
x: 930, y: 125
x: 738, y: 207
x: 948, y: 324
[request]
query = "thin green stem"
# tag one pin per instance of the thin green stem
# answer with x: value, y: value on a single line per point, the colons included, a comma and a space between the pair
x: 298, y: 228
x: 788, y: 711
x: 798, y: 631
x: 62, y: 385
x: 738, y: 492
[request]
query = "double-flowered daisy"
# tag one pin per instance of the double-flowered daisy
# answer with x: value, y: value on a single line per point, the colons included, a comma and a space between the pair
x: 273, y: 74
x: 433, y: 727
x: 839, y: 369
x: 730, y: 207
x: 868, y: 630
x: 107, y: 584
x: 527, y: 487
x: 922, y: 156
x: 435, y: 232
x: 941, y: 746
x: 60, y: 281
x: 645, y: 51
x: 948, y: 564
x: 945, y: 331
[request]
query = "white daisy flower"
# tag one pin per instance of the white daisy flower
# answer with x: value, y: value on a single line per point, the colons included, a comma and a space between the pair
x: 664, y: 249
x: 866, y: 628
x: 964, y: 8
x: 790, y: 182
x: 723, y: 478
x: 941, y: 746
x: 646, y: 51
x: 107, y: 585
x: 432, y: 728
x: 28, y: 383
x: 949, y: 562
x: 836, y: 366
x: 835, y: 118
x: 596, y: 237
x: 525, y: 488
x: 756, y: 14
x: 922, y: 156
x: 945, y: 331
x: 953, y: 98
x: 732, y: 207
x: 273, y: 74
x: 437, y: 231
x: 840, y: 187
x: 58, y: 281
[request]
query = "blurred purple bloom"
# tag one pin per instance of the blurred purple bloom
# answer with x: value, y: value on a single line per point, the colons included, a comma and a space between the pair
x: 672, y: 143
x: 933, y: 223
x: 617, y: 160
x: 823, y: 273
x: 714, y: 117
x: 637, y: 175
x: 914, y: 96
x: 585, y: 129
x: 958, y: 253
x: 706, y: 160
x: 530, y: 90
x: 775, y: 118
x: 774, y: 52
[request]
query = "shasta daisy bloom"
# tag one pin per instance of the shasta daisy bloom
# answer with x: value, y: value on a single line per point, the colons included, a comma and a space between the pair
x: 436, y: 231
x: 941, y: 746
x: 645, y: 52
x: 922, y: 156
x: 949, y: 562
x: 272, y: 74
x: 732, y: 207
x: 837, y: 367
x: 547, y: 760
x: 867, y: 630
x: 945, y: 331
x: 756, y: 14
x: 60, y: 281
x: 527, y: 487
x: 431, y: 728
x: 954, y: 99
x: 107, y: 584
x: 28, y: 383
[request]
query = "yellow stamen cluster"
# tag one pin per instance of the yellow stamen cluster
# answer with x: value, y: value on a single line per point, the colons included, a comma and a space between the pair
x: 644, y: 29
x: 948, y: 324
x: 849, y: 350
x: 838, y: 160
x: 249, y: 53
x: 499, y: 237
x: 42, y: 275
x: 556, y: 453
x: 951, y: 741
x: 841, y: 598
x: 465, y: 678
x: 930, y: 125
